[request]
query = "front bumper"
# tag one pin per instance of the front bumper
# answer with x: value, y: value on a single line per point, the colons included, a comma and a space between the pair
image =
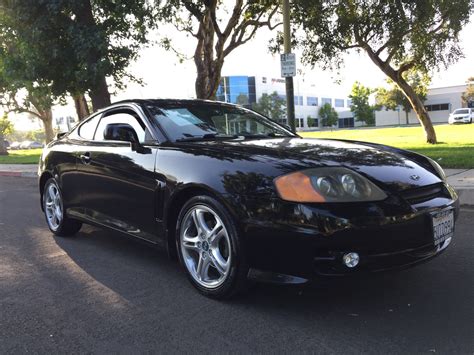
x: 310, y: 240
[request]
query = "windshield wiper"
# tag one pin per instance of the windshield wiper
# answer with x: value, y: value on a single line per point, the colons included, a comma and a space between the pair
x: 265, y: 135
x: 207, y: 136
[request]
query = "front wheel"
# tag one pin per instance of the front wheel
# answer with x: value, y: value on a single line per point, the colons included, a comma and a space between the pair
x: 209, y: 248
x: 53, y: 207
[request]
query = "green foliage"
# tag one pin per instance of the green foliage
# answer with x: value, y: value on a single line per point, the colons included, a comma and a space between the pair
x: 406, y: 33
x: 271, y: 106
x: 328, y: 115
x: 242, y: 100
x: 393, y: 97
x: 6, y: 127
x: 360, y: 107
x: 311, y: 121
x: 468, y: 95
x: 72, y: 45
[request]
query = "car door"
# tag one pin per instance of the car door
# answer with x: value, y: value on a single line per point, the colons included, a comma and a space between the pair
x: 120, y: 181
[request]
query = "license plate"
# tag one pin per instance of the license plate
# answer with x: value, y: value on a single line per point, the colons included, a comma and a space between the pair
x: 443, y: 225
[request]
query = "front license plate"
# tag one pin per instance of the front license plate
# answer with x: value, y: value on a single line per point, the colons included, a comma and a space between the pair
x: 443, y: 225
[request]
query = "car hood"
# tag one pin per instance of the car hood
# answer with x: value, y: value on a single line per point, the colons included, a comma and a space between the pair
x: 386, y: 165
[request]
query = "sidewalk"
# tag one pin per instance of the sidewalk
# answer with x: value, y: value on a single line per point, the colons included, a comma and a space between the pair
x: 19, y: 170
x: 461, y: 179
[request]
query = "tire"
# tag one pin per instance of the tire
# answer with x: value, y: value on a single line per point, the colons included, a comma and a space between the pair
x: 209, y: 248
x: 58, y: 223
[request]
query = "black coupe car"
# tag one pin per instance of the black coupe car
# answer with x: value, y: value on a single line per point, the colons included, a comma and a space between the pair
x: 235, y: 196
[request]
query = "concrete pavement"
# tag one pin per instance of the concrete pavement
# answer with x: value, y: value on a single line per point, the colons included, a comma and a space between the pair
x: 461, y: 179
x: 100, y: 293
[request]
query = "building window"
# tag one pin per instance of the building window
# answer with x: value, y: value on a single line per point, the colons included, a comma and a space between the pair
x: 349, y: 102
x: 264, y: 80
x: 299, y: 122
x: 346, y: 122
x: 299, y: 100
x: 339, y: 102
x: 437, y: 107
x: 326, y: 100
x: 312, y: 101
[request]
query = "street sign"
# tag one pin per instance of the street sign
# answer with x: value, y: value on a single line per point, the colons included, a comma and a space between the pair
x: 288, y: 65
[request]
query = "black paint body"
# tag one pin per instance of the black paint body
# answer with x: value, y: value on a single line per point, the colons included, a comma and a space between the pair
x: 109, y: 184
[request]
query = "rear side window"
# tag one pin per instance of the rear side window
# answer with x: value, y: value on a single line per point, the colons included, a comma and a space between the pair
x: 87, y: 129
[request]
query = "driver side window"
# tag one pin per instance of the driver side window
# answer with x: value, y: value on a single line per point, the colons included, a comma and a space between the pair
x: 121, y: 117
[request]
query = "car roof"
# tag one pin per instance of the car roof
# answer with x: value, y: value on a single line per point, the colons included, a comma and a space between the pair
x: 172, y: 102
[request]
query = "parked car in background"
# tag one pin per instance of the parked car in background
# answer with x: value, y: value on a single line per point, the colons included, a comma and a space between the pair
x: 461, y: 115
x: 30, y: 145
x: 15, y: 146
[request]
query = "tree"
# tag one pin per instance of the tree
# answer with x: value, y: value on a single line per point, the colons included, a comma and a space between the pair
x: 468, y: 95
x: 360, y: 107
x: 74, y: 45
x: 311, y: 121
x: 328, y: 115
x: 242, y: 100
x: 217, y: 30
x: 271, y: 106
x: 29, y: 98
x: 393, y: 98
x: 6, y: 127
x: 396, y: 35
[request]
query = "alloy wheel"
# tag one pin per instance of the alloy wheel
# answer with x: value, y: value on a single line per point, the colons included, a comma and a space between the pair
x: 205, y: 246
x: 53, y: 206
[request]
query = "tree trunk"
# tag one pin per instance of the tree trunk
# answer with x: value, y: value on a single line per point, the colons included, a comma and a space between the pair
x: 418, y: 107
x: 100, y: 95
x: 3, y: 149
x: 47, y: 118
x: 409, y: 93
x: 82, y: 109
x: 406, y: 116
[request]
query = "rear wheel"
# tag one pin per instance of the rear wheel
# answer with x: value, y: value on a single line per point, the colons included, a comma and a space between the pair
x: 209, y: 248
x: 53, y: 207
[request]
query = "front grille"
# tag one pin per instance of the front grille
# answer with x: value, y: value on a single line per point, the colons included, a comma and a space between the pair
x: 423, y: 194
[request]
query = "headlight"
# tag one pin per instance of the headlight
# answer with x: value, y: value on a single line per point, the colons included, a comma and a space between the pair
x: 327, y: 185
x: 438, y: 168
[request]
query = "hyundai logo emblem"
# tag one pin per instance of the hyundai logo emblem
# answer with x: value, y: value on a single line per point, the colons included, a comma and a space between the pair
x: 414, y: 177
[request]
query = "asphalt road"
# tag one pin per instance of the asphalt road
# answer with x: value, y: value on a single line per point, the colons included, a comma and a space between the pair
x: 99, y: 292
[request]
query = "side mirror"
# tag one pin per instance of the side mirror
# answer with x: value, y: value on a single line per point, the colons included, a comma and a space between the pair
x: 120, y: 132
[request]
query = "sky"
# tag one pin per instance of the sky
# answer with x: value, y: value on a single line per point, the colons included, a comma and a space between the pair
x: 165, y: 77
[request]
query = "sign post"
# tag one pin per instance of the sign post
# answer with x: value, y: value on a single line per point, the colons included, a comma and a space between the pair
x: 288, y: 65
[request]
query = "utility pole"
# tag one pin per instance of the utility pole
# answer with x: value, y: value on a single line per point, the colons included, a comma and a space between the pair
x: 290, y: 94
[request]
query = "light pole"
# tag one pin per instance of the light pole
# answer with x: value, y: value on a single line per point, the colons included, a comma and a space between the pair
x: 290, y: 95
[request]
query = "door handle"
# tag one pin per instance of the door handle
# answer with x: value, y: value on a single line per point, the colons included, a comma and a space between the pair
x: 86, y: 158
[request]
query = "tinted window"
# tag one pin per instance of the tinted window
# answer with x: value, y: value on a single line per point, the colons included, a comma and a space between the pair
x: 460, y: 112
x: 121, y: 117
x: 87, y: 129
x: 198, y: 120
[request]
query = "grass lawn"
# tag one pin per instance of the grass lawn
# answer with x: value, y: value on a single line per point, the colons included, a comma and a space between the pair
x: 29, y: 156
x: 455, y: 148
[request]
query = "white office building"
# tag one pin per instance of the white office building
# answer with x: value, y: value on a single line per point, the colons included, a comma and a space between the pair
x: 440, y: 102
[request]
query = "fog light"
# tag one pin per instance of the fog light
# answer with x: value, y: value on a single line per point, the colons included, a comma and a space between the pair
x: 351, y: 259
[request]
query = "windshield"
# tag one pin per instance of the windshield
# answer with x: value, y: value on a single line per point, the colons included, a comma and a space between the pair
x: 189, y: 121
x: 461, y: 111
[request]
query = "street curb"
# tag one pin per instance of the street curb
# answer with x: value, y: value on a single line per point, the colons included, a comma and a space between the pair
x: 25, y: 174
